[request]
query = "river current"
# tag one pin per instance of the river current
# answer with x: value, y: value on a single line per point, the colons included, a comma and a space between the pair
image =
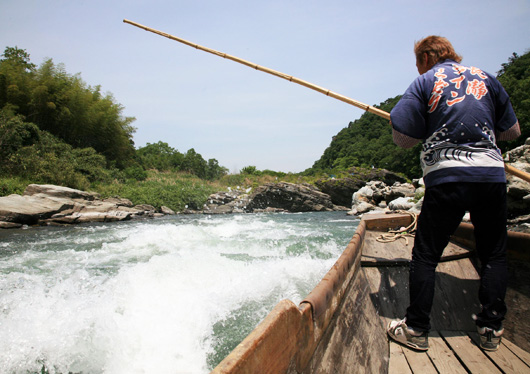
x: 168, y: 295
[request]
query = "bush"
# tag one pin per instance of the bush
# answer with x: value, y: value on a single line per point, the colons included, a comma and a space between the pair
x: 250, y: 170
x: 135, y: 172
x: 9, y: 186
x: 174, y: 190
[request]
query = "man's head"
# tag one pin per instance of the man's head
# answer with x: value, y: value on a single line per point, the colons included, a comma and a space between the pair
x: 431, y: 50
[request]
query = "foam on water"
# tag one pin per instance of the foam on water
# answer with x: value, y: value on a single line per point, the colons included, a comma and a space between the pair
x: 160, y: 296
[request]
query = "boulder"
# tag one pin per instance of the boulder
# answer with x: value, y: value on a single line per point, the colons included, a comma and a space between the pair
x: 10, y: 225
x: 401, y: 203
x: 118, y: 201
x: 376, y: 195
x: 29, y: 210
x: 520, y: 156
x: 363, y: 207
x: 59, y: 191
x: 50, y: 205
x: 225, y: 202
x: 341, y: 189
x: 290, y: 197
x: 167, y: 211
x: 398, y: 190
x: 145, y: 208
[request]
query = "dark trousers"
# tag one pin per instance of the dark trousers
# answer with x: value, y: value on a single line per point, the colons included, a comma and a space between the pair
x: 443, y: 208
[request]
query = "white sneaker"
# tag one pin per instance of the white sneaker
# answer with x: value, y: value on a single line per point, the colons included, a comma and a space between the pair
x: 401, y: 333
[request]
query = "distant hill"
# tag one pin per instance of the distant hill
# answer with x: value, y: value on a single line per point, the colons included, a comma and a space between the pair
x: 367, y: 142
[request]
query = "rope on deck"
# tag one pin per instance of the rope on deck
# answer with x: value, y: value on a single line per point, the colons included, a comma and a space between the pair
x: 403, y: 232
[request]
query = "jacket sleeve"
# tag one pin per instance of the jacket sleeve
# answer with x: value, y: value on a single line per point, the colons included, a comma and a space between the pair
x: 409, y: 116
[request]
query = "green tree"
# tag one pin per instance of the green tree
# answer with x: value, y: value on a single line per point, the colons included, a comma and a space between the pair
x: 35, y: 155
x: 159, y: 156
x: 65, y: 106
x: 515, y: 77
x: 19, y: 57
x: 214, y: 170
x: 16, y: 80
x: 193, y: 163
x: 14, y: 135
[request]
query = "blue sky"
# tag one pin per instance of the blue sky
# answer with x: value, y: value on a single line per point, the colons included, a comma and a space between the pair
x: 239, y: 116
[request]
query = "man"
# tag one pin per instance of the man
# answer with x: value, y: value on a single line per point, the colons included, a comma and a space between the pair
x: 458, y: 112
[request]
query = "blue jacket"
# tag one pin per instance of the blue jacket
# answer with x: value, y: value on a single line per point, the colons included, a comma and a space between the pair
x: 457, y: 111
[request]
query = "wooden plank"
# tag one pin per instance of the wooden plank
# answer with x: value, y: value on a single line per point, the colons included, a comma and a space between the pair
x: 355, y: 341
x: 419, y: 362
x: 388, y: 291
x: 517, y: 323
x: 505, y: 359
x: 442, y: 357
x: 522, y: 354
x: 398, y: 252
x: 470, y: 355
x: 384, y: 221
x: 398, y: 362
x: 456, y: 296
x: 376, y: 252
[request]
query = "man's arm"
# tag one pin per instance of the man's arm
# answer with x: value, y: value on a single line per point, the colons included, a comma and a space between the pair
x: 403, y: 140
x: 510, y: 134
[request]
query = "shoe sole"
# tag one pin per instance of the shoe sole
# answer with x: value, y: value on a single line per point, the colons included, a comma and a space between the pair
x: 490, y: 349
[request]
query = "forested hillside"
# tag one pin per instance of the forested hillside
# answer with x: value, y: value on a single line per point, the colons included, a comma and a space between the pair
x: 367, y: 142
x: 54, y: 128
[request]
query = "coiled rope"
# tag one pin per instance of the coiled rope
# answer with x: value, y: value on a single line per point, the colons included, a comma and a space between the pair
x: 403, y: 232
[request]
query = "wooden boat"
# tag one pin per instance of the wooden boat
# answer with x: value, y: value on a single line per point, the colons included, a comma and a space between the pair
x: 340, y: 326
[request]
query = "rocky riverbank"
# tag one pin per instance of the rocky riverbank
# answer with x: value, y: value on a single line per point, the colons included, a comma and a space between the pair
x: 359, y: 193
x: 55, y: 205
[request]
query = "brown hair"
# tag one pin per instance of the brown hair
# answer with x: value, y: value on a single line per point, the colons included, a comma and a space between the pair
x: 437, y: 48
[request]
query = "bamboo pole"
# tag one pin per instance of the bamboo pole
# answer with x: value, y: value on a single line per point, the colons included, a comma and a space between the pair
x: 381, y: 113
x: 276, y: 73
x: 516, y: 172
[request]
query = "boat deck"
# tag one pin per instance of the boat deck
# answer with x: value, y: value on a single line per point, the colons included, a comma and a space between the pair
x: 453, y: 339
x: 457, y: 352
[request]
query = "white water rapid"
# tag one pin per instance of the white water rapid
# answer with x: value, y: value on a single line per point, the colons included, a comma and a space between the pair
x: 170, y: 295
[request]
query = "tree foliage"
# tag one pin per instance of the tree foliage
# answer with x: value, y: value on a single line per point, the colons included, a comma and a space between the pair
x: 162, y: 157
x: 32, y: 154
x: 515, y: 77
x: 63, y: 105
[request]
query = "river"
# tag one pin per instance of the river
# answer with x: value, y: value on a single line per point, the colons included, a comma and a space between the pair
x: 168, y: 295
